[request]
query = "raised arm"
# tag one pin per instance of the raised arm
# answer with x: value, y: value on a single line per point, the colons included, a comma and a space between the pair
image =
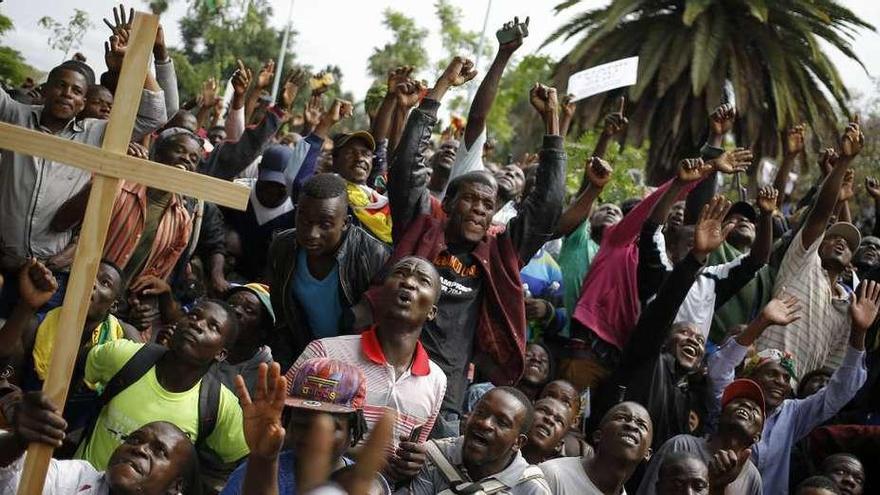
x: 234, y: 124
x: 230, y: 158
x: 646, y: 340
x: 36, y: 285
x: 165, y: 73
x: 689, y: 170
x: 510, y: 37
x: 767, y: 207
x: 261, y: 82
x: 597, y: 174
x: 850, y: 376
x: 720, y: 123
x: 207, y: 100
x: 539, y: 214
x: 151, y: 112
x: 847, y: 193
x: 873, y: 188
x: 263, y: 431
x: 408, y: 172
x: 382, y: 121
x: 615, y: 123
x: 653, y: 265
x: 850, y: 145
x: 792, y: 147
x: 783, y: 310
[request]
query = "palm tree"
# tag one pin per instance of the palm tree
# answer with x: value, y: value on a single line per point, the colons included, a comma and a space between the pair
x: 768, y: 49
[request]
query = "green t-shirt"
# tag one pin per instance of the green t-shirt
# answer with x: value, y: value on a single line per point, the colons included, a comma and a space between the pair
x: 146, y: 401
x: 575, y: 257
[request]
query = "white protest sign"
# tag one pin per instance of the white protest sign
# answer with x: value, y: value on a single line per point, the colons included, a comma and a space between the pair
x: 603, y: 77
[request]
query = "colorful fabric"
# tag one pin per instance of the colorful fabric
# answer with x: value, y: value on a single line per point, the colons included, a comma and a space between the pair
x: 108, y: 330
x: 127, y: 227
x: 371, y: 209
x: 784, y: 359
x: 337, y: 385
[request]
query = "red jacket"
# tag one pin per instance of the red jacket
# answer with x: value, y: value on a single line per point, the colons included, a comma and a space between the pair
x: 500, y: 334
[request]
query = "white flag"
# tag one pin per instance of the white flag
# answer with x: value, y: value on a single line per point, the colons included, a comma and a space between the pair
x: 603, y: 77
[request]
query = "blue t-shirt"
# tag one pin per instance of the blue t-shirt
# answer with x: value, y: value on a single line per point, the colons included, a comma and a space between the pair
x: 318, y: 298
x: 286, y: 475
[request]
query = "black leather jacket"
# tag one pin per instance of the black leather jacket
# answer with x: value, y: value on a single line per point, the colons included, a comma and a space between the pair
x: 360, y: 258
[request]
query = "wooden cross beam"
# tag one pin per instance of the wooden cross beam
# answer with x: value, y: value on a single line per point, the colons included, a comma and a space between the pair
x: 110, y: 165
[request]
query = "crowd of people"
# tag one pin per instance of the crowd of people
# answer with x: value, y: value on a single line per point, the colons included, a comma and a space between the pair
x: 397, y: 312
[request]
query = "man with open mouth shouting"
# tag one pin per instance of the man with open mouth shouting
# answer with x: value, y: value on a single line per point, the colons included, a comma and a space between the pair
x: 726, y: 452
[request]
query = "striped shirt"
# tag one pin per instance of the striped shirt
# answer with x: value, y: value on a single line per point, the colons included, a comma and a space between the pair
x: 820, y: 337
x: 127, y: 227
x: 415, y: 395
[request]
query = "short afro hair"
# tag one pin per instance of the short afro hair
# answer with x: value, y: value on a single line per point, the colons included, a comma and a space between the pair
x: 820, y: 482
x: 74, y: 66
x: 676, y: 457
x: 324, y: 186
x: 529, y: 417
x: 231, y: 318
x: 475, y: 177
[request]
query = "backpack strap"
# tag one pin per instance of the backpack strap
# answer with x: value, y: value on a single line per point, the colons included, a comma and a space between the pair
x: 446, y: 468
x: 145, y: 358
x: 136, y: 367
x: 530, y: 473
x: 209, y: 407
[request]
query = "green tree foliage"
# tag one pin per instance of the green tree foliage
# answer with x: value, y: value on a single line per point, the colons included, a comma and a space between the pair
x: 68, y: 36
x: 627, y: 161
x: 406, y: 47
x: 13, y: 69
x: 770, y: 51
x: 512, y: 121
x: 213, y: 38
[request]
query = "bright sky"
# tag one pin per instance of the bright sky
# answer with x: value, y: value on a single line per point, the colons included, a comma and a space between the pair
x: 344, y: 32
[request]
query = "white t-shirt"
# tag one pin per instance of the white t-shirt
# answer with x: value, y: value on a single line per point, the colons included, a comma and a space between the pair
x: 62, y: 478
x: 566, y: 476
x: 467, y: 159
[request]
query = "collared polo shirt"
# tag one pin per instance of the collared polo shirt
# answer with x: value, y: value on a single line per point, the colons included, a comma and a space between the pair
x: 415, y: 395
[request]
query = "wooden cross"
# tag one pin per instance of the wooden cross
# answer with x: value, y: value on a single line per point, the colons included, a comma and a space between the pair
x: 110, y: 165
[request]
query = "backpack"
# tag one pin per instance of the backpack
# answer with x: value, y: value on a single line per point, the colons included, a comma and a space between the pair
x: 458, y: 485
x: 136, y: 367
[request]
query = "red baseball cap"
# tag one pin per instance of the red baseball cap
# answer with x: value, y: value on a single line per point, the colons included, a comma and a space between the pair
x: 746, y: 389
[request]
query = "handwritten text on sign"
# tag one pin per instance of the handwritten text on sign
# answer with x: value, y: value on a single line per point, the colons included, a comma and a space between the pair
x: 603, y: 77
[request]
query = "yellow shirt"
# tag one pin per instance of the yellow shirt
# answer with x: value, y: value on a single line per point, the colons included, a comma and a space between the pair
x: 146, y: 401
x: 45, y: 339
